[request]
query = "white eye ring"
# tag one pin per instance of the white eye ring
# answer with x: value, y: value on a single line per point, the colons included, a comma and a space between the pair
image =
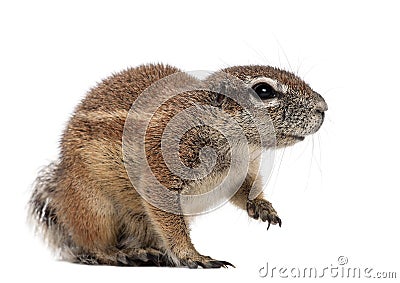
x: 272, y: 103
x: 277, y: 86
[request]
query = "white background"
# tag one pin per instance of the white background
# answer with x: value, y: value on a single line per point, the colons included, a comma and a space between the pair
x: 337, y: 192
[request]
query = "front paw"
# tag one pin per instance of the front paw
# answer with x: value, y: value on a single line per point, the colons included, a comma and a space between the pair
x: 260, y: 208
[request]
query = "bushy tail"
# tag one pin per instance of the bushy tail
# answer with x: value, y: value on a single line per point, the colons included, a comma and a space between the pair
x: 41, y: 210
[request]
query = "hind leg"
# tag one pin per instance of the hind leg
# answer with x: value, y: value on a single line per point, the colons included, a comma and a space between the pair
x: 174, y: 234
x: 137, y: 245
x: 87, y: 215
x: 103, y: 238
x: 135, y: 242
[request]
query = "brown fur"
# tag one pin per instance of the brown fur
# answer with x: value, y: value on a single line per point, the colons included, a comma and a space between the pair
x: 87, y: 207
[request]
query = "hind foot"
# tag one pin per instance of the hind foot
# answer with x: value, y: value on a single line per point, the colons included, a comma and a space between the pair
x: 143, y: 257
x: 204, y: 262
x: 125, y: 257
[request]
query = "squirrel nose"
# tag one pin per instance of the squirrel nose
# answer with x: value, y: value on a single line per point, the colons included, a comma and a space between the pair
x: 321, y: 106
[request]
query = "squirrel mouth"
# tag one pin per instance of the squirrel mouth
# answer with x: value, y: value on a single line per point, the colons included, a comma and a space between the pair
x: 299, y: 138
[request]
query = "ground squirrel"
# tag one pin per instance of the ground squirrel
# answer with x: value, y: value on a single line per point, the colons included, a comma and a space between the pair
x: 87, y: 204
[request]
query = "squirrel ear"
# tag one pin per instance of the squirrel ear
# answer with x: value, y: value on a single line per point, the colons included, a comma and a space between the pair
x: 218, y: 99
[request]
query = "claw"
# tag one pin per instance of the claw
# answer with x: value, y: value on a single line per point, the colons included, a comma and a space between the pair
x: 220, y: 263
x: 209, y: 263
x: 229, y: 264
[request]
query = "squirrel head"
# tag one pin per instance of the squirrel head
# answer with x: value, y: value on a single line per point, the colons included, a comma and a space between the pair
x: 293, y: 107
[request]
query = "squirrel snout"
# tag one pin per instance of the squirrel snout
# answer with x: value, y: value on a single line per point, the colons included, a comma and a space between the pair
x: 321, y: 105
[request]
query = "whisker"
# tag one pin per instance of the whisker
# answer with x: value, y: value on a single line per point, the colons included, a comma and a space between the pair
x: 304, y: 148
x: 304, y: 76
x: 316, y: 161
x: 320, y: 158
x: 284, y: 53
x: 277, y: 169
x: 279, y: 59
x: 299, y: 65
x: 311, y: 163
x: 224, y: 64
x: 259, y: 54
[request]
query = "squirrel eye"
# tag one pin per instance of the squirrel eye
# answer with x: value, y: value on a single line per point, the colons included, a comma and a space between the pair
x: 265, y: 91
